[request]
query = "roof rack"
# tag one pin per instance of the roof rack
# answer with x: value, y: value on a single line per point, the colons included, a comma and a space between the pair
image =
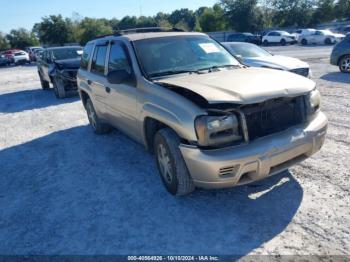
x: 141, y: 30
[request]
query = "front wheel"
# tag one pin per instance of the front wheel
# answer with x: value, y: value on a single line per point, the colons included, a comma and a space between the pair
x: 304, y: 42
x: 266, y: 43
x: 344, y: 64
x: 283, y: 42
x: 328, y: 41
x: 44, y: 84
x: 171, y: 165
x: 58, y: 88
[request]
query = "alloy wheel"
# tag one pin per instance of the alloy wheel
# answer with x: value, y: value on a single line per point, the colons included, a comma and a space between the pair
x: 345, y: 65
x: 164, y: 163
x: 92, y: 116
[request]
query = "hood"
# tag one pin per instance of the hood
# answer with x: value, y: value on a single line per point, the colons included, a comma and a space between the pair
x: 339, y: 35
x: 68, y: 63
x: 282, y: 62
x: 242, y: 86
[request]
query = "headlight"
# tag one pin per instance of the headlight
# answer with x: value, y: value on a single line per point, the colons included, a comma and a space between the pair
x: 217, y: 130
x: 314, y: 101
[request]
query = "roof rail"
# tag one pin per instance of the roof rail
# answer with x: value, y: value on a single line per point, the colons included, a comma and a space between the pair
x: 149, y: 30
x: 141, y: 30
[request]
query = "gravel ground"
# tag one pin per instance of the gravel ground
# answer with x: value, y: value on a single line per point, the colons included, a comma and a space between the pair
x: 64, y: 190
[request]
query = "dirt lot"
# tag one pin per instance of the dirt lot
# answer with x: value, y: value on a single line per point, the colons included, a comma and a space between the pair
x: 64, y: 190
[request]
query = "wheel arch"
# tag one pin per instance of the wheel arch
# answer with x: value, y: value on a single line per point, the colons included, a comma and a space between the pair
x: 341, y: 57
x: 151, y: 126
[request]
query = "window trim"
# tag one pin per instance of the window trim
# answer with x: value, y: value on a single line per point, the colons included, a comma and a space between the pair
x: 90, y: 58
x: 98, y: 44
x: 128, y: 57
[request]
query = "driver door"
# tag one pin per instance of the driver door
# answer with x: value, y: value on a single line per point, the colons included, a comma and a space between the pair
x: 122, y: 98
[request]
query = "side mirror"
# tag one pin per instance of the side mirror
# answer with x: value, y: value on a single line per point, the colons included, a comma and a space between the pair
x: 118, y: 76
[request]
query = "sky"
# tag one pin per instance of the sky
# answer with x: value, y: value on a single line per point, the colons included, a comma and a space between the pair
x: 20, y: 13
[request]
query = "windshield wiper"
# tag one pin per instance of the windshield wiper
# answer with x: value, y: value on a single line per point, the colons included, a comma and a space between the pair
x: 172, y: 72
x: 210, y: 69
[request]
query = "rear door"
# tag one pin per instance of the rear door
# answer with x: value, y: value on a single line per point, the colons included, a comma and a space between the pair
x: 96, y: 80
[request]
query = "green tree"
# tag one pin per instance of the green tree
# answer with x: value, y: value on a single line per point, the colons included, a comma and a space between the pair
x: 128, y: 22
x: 22, y: 38
x: 54, y: 30
x: 213, y: 19
x: 342, y: 9
x: 92, y: 27
x: 146, y: 21
x: 243, y: 15
x: 4, y: 44
x: 325, y: 12
x: 293, y: 12
x: 183, y: 18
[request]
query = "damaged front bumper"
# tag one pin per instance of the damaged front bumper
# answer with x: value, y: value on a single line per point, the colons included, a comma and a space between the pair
x: 256, y: 160
x: 69, y: 79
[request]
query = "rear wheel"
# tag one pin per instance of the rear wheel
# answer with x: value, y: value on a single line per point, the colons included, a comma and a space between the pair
x: 283, y: 42
x: 98, y: 127
x: 44, y: 84
x: 171, y: 165
x: 304, y: 42
x: 344, y: 64
x: 58, y: 88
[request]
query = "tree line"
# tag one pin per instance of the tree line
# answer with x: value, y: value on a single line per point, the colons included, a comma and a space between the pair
x: 238, y: 15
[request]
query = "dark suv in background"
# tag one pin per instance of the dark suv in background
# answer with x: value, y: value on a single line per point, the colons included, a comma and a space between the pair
x: 59, y: 65
x: 244, y: 37
x: 341, y: 55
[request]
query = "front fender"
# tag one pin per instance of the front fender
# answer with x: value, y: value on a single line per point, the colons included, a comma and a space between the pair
x: 183, y: 126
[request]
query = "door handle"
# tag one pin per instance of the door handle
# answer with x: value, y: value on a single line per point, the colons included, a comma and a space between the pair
x: 89, y: 82
x: 108, y: 90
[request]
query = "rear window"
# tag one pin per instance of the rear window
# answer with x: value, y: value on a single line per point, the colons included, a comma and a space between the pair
x: 99, y: 59
x: 86, y: 56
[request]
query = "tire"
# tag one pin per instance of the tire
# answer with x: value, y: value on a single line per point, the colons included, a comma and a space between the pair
x: 344, y: 64
x: 304, y: 41
x: 58, y: 88
x: 171, y: 165
x: 266, y: 43
x: 96, y: 124
x: 44, y: 84
x: 283, y: 42
x: 328, y: 41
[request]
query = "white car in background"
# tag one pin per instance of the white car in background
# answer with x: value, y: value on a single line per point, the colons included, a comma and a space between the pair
x: 326, y: 37
x: 21, y: 57
x: 254, y: 56
x: 303, y: 32
x: 278, y: 37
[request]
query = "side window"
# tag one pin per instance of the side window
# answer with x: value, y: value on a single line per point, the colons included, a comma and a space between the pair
x: 277, y: 34
x: 99, y: 59
x: 118, y: 59
x: 272, y: 34
x: 86, y: 56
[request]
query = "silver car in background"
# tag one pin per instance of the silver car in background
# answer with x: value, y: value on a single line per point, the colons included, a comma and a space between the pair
x: 252, y: 55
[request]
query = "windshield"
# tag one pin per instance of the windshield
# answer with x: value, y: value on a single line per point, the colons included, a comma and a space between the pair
x: 67, y: 53
x: 171, y: 55
x: 246, y: 50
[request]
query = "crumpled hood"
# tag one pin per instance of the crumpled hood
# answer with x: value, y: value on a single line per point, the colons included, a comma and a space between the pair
x: 68, y: 63
x: 276, y: 61
x: 242, y: 86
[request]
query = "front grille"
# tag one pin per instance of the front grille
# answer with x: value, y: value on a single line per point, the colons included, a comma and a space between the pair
x: 274, y: 116
x: 301, y: 71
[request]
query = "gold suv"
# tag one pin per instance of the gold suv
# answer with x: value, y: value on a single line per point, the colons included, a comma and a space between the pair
x: 210, y: 121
